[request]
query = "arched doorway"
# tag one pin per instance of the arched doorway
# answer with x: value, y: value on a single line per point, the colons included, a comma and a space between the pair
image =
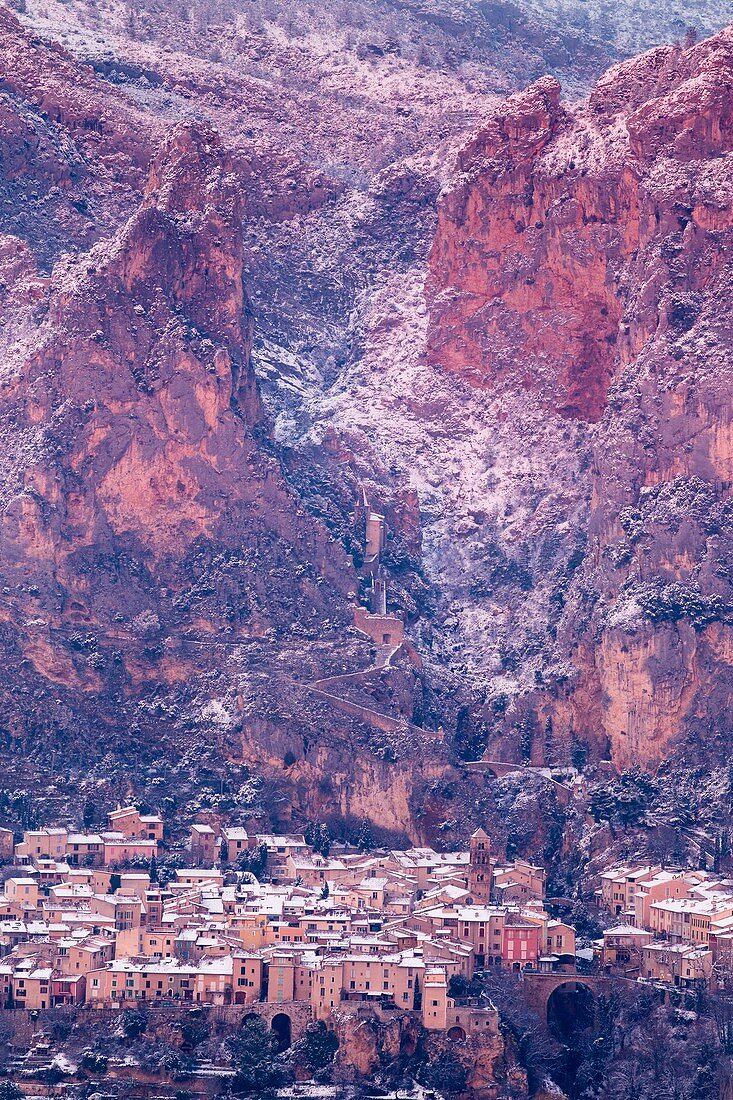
x: 282, y: 1030
x: 456, y: 1034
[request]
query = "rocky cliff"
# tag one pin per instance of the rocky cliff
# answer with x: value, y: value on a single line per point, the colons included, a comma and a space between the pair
x: 165, y: 597
x: 582, y: 258
x: 247, y: 274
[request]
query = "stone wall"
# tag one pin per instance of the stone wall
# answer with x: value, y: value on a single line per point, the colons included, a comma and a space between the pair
x: 18, y: 1027
x: 379, y: 627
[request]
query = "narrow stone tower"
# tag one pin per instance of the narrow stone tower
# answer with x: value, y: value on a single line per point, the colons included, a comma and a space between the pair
x: 480, y: 871
x: 378, y: 595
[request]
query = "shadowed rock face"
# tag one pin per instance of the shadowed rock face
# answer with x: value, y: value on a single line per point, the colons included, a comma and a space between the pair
x: 585, y: 256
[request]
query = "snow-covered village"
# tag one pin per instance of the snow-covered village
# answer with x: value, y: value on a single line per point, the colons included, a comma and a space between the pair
x: 310, y: 947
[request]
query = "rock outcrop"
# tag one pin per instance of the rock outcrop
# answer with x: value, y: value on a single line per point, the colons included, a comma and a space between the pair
x: 164, y: 595
x: 584, y: 256
x: 370, y: 1042
x: 137, y: 407
x: 214, y: 335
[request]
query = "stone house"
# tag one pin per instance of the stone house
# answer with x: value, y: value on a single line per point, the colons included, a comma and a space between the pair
x: 677, y: 964
x: 134, y: 825
x: 204, y: 845
x: 37, y: 843
x: 119, y: 849
x: 622, y: 946
x: 620, y: 884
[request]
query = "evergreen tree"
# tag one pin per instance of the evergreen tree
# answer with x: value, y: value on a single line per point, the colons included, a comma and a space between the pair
x: 319, y: 1046
x: 365, y: 837
x: 255, y: 1057
x: 324, y: 840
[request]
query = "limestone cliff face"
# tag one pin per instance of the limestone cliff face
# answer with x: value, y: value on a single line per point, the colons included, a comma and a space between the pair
x: 555, y: 471
x: 520, y: 288
x: 584, y: 256
x: 135, y: 399
x: 140, y: 504
x: 164, y: 596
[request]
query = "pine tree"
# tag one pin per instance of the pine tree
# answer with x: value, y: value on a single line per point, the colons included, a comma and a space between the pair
x: 365, y: 838
x: 324, y: 840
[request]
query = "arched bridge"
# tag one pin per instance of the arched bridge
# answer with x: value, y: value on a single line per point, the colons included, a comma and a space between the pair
x: 287, y: 1019
x: 538, y: 988
x: 502, y: 768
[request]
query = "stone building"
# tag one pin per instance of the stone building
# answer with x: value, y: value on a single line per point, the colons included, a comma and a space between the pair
x: 480, y: 870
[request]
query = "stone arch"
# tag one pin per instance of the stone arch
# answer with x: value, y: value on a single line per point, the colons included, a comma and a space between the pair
x: 282, y: 1029
x: 571, y: 1007
x: 456, y: 1034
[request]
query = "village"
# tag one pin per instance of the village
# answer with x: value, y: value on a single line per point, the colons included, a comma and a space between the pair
x: 395, y: 931
x: 296, y: 931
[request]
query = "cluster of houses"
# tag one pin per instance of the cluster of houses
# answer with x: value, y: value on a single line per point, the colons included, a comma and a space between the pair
x: 131, y: 837
x: 403, y: 930
x: 675, y: 926
x: 83, y: 920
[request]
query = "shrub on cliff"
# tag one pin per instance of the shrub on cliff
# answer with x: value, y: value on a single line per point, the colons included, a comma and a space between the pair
x: 167, y: 1060
x: 254, y: 1053
x: 93, y: 1061
x: 133, y: 1023
x: 624, y: 801
x: 445, y: 1074
x: 318, y: 1046
x: 671, y: 602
